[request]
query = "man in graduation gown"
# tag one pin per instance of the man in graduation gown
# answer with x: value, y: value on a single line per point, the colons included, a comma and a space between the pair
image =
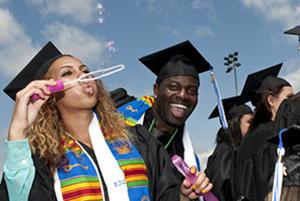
x: 175, y: 97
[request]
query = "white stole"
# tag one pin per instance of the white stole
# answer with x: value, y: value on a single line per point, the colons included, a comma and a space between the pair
x: 112, y: 173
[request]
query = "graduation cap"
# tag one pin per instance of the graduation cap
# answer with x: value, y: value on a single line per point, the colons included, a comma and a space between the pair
x: 120, y: 97
x: 295, y: 31
x: 290, y: 137
x: 259, y: 82
x: 233, y: 107
x: 35, y: 69
x: 180, y: 59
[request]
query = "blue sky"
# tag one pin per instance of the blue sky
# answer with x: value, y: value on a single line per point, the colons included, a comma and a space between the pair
x: 135, y: 28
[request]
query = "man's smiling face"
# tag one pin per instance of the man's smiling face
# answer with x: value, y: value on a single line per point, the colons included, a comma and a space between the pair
x: 176, y: 98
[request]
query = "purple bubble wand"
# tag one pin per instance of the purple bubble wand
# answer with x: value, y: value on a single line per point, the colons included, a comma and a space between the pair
x: 185, y: 170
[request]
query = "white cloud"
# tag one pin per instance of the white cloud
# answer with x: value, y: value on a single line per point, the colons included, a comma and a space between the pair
x: 160, y: 6
x: 72, y: 40
x: 293, y: 72
x: 201, y: 31
x: 36, y: 2
x: 80, y: 11
x: 203, y: 5
x: 173, y: 31
x: 15, y: 45
x: 286, y: 12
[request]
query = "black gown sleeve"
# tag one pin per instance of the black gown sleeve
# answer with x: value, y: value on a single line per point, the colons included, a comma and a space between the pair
x: 3, y: 190
x: 255, y: 163
x: 219, y: 169
x: 42, y: 187
x: 164, y: 181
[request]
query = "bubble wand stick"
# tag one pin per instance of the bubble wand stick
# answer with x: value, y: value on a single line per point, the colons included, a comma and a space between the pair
x: 94, y: 75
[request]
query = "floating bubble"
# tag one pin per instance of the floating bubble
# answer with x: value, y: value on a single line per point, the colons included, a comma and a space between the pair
x: 99, y: 6
x: 100, y: 20
x: 109, y: 51
x: 111, y: 46
x: 100, y: 13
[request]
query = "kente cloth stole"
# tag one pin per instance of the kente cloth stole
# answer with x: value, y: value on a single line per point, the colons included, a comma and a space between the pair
x: 80, y: 180
x: 134, y: 110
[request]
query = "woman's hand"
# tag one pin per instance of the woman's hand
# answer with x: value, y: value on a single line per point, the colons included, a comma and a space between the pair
x: 192, y: 191
x: 26, y: 110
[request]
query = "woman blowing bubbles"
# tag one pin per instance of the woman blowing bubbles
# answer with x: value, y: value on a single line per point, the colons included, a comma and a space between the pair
x: 72, y: 145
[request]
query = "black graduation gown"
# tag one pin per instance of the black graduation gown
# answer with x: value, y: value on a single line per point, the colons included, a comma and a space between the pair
x: 176, y: 145
x: 288, y: 115
x: 219, y: 170
x: 163, y: 178
x: 255, y: 163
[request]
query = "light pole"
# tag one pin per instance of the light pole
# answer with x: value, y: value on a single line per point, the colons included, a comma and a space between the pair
x: 232, y: 62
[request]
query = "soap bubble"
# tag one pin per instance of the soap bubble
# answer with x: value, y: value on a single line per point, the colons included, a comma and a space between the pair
x: 111, y: 46
x: 100, y: 13
x: 110, y: 50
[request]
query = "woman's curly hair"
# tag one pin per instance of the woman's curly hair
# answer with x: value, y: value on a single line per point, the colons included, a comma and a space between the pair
x: 45, y: 134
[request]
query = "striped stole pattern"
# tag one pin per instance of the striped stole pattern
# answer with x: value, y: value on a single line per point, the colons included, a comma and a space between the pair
x: 133, y: 111
x: 81, y: 188
x: 135, y: 172
x: 79, y: 179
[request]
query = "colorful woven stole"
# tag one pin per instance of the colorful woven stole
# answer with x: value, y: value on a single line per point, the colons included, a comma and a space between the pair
x: 135, y: 172
x: 80, y: 180
x: 134, y: 110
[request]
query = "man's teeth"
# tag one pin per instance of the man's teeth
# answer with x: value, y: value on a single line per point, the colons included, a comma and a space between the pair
x: 179, y: 106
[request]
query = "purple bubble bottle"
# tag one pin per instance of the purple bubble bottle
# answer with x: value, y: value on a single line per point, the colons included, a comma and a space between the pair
x: 53, y: 89
x: 185, y: 170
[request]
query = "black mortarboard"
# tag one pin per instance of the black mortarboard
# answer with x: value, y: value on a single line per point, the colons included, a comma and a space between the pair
x: 120, y: 97
x: 233, y: 107
x: 180, y: 59
x: 35, y: 69
x: 293, y: 31
x: 257, y: 83
x: 290, y: 137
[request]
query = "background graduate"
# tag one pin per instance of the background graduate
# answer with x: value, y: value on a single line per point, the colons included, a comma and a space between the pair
x: 288, y: 117
x: 220, y: 163
x: 256, y: 157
